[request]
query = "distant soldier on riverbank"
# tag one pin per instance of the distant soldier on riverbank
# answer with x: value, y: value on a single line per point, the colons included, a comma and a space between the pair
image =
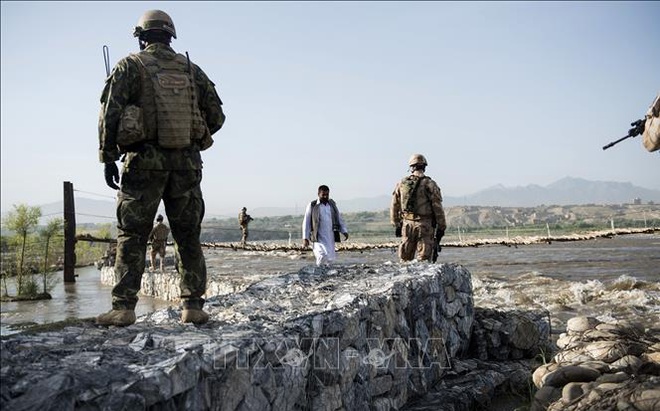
x: 243, y: 221
x: 417, y: 214
x: 158, y: 238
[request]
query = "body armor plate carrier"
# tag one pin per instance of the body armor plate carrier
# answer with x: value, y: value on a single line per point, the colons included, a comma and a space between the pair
x: 169, y: 101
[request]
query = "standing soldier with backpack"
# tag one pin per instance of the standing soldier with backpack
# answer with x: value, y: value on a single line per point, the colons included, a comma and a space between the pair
x: 158, y: 110
x: 417, y: 214
x: 243, y: 221
x: 158, y: 238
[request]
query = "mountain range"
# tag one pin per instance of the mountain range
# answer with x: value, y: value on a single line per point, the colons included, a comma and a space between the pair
x: 567, y: 191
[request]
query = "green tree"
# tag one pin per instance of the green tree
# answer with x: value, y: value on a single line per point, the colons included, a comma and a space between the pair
x: 53, y: 227
x: 21, y: 221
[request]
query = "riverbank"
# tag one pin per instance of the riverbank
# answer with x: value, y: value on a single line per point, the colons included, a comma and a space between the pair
x: 356, y: 245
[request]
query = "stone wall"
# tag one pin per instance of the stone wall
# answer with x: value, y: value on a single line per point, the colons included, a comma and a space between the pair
x: 352, y: 337
x: 165, y: 285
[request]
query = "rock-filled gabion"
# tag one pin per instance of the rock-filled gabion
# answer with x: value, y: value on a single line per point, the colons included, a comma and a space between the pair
x: 350, y: 337
x: 601, y: 366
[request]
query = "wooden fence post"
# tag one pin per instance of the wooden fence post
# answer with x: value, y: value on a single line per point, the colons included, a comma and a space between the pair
x: 69, y: 234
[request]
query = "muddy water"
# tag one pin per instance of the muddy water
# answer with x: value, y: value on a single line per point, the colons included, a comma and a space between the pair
x: 616, y: 278
x: 87, y: 297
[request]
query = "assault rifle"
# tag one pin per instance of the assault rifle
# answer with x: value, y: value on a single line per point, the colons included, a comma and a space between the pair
x: 637, y: 129
x: 436, y: 244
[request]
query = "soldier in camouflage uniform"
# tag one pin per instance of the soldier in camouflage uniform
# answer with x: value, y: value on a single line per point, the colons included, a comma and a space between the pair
x: 159, y: 110
x: 416, y: 212
x: 243, y: 220
x: 158, y: 238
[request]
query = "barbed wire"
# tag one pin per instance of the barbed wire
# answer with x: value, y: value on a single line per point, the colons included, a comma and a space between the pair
x: 53, y: 213
x: 96, y: 215
x: 96, y: 194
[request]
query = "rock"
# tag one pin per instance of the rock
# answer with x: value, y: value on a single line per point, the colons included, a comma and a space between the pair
x: 525, y: 334
x: 571, y: 392
x: 569, y: 373
x: 608, y: 351
x: 628, y: 363
x: 613, y: 378
x: 541, y: 372
x: 544, y: 397
x: 646, y: 400
x: 581, y: 324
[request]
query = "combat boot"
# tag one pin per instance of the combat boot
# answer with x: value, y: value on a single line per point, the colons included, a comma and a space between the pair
x: 194, y: 315
x: 120, y: 318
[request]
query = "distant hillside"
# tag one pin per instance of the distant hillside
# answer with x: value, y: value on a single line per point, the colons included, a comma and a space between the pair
x: 567, y: 191
x: 87, y: 211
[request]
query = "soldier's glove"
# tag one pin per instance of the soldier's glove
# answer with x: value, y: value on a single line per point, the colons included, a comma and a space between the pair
x: 397, y: 231
x: 111, y: 173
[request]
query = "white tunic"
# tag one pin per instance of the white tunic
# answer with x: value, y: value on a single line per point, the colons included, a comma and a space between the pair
x: 324, y: 247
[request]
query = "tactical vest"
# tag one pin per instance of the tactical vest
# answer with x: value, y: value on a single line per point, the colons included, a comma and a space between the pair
x: 169, y: 101
x: 408, y: 189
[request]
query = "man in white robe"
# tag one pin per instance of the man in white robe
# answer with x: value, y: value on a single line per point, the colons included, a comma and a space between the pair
x: 322, y: 220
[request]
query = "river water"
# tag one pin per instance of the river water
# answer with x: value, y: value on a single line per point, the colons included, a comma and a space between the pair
x: 617, y: 278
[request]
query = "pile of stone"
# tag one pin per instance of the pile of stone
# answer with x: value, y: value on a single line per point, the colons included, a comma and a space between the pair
x: 348, y: 337
x: 601, y: 366
x: 505, y: 348
x: 353, y: 337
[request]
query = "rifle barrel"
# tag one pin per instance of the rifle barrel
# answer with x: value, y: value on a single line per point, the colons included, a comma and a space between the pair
x: 616, y: 142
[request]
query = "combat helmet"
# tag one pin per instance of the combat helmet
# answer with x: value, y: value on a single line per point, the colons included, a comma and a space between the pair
x: 417, y: 159
x: 155, y: 20
x: 159, y: 218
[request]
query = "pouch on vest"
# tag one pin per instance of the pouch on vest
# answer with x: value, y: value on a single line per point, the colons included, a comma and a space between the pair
x: 131, y: 126
x: 408, y: 188
x: 200, y: 131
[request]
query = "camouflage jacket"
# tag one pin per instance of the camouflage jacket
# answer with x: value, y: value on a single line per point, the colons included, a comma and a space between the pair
x: 123, y: 88
x: 244, y: 218
x: 426, y: 202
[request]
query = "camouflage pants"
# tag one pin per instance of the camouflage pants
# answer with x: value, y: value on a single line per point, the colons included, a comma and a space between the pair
x: 244, y: 231
x: 158, y: 247
x: 137, y: 204
x: 417, y: 237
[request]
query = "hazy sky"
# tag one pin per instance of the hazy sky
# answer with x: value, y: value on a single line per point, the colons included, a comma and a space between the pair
x: 342, y: 93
